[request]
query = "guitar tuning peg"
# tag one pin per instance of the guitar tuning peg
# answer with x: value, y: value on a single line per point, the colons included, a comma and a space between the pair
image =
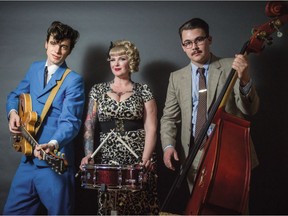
x: 55, y: 151
x: 62, y: 155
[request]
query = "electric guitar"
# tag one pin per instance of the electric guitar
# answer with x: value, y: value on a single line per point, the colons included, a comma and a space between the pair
x: 26, y: 143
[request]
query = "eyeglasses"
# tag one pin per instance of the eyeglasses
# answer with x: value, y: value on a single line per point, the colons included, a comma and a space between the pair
x: 198, y: 41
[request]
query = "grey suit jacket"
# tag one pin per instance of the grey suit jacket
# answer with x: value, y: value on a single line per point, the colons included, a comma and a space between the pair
x: 178, y: 105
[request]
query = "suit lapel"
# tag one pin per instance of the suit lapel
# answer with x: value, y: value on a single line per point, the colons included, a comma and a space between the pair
x: 214, y: 74
x: 186, y: 85
x: 39, y: 77
x: 53, y: 81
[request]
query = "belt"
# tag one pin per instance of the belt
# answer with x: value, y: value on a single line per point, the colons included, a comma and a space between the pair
x: 121, y: 125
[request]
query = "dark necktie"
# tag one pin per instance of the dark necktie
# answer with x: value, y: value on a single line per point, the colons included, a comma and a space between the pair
x: 202, y: 103
x: 45, y: 75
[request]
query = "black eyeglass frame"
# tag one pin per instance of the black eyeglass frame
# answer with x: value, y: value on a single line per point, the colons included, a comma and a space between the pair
x: 197, y: 41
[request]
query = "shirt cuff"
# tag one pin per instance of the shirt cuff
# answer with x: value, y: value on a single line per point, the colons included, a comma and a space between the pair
x: 246, y: 89
x: 168, y: 146
x: 55, y: 143
x: 11, y: 111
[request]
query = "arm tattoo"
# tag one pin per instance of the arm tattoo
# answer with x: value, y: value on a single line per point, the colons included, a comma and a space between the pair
x: 89, y: 126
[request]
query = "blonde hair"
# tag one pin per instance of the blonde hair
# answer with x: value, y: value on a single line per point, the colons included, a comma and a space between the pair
x: 125, y: 47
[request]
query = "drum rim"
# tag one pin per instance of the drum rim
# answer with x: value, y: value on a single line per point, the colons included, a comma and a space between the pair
x: 112, y: 166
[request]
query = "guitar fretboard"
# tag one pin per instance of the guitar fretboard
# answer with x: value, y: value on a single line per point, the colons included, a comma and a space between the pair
x: 28, y: 136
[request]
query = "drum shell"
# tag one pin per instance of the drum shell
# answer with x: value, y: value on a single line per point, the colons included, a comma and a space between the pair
x: 125, y: 177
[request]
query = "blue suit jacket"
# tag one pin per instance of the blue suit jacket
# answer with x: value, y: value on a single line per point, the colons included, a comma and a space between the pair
x: 63, y: 120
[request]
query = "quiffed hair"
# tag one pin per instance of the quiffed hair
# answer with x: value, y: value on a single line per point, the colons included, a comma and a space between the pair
x: 62, y: 31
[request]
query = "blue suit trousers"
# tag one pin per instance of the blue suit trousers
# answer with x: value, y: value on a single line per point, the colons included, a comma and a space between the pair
x: 33, y: 185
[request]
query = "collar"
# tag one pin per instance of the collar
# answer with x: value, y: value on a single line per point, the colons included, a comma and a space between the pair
x: 206, y: 66
x: 51, y: 68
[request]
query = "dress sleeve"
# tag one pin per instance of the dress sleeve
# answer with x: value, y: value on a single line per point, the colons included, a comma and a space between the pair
x: 146, y: 92
x: 97, y: 91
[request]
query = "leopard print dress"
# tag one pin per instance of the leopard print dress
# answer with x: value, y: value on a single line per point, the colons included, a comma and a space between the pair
x: 125, y: 202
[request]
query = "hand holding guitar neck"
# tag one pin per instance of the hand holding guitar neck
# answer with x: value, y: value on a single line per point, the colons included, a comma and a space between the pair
x: 57, y: 162
x: 39, y: 150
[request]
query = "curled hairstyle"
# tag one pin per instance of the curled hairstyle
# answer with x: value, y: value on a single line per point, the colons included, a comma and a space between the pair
x: 125, y: 47
x: 61, y: 31
x: 193, y: 24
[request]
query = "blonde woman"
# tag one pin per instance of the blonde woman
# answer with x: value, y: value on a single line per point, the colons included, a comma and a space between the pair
x: 129, y: 110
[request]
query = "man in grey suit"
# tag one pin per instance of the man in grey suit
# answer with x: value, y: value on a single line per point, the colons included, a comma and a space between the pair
x: 181, y: 104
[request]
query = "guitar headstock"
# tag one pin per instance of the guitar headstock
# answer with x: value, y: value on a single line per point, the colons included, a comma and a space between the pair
x: 56, y: 161
x: 261, y: 35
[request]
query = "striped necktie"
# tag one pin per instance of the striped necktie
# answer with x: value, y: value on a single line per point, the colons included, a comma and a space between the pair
x: 202, y: 103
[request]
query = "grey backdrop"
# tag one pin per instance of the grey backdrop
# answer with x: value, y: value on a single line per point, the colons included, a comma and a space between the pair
x: 153, y: 27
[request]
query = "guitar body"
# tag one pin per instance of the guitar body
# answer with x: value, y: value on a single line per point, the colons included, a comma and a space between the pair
x: 26, y: 143
x: 28, y: 120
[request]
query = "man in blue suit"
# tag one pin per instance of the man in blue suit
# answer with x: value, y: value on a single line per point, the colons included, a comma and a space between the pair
x: 35, y: 182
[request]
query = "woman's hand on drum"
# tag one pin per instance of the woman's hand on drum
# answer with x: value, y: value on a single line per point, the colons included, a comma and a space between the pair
x: 148, y: 164
x: 86, y: 160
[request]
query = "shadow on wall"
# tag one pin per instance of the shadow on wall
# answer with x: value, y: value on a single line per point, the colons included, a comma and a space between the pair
x: 269, y: 135
x: 156, y: 74
x: 96, y: 69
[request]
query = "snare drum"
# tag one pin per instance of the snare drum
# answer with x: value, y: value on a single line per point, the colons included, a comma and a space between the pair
x: 124, y: 177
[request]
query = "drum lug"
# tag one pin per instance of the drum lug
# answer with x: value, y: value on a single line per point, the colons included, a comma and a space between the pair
x: 120, y: 178
x: 140, y: 179
x: 94, y: 178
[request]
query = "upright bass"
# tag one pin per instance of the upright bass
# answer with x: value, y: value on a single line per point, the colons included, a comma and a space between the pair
x: 223, y: 179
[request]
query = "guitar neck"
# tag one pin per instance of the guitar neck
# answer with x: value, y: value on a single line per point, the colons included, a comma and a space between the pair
x: 30, y: 139
x: 59, y: 165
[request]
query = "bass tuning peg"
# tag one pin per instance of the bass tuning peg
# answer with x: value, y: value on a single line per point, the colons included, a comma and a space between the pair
x: 276, y: 24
